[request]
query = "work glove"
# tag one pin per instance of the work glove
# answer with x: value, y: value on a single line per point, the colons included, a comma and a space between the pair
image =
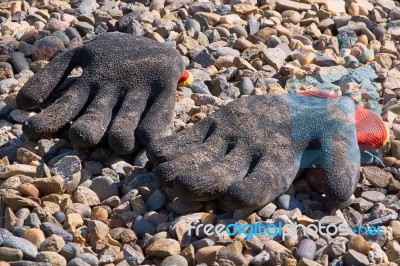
x: 127, y: 90
x: 248, y: 153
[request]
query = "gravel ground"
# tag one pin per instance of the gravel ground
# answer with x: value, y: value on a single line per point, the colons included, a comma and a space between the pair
x: 62, y: 206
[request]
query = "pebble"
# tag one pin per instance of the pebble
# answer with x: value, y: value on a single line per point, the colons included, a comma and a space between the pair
x: 306, y: 249
x: 373, y: 196
x: 89, y: 258
x: 207, y: 255
x: 359, y: 244
x: 376, y: 176
x: 177, y: 260
x: 289, y: 203
x: 19, y: 62
x: 141, y: 227
x: 28, y: 190
x: 52, y: 243
x: 47, y: 186
x: 28, y: 249
x: 260, y: 259
x: 77, y: 262
x: 70, y: 251
x: 53, y: 258
x: 50, y: 229
x: 97, y: 230
x: 85, y: 196
x: 6, y: 85
x: 156, y: 200
x: 352, y: 257
x: 34, y: 235
x: 163, y: 248
x: 10, y: 254
x: 184, y: 206
x: 105, y: 187
x: 84, y: 27
x: 246, y: 86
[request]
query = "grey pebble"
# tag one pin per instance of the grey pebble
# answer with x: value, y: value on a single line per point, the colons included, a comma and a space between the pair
x: 60, y: 217
x: 104, y: 187
x: 246, y: 86
x: 87, y: 6
x: 28, y: 249
x: 260, y: 259
x: 222, y: 51
x: 33, y: 221
x: 28, y: 263
x: 240, y: 31
x: 306, y: 249
x: 72, y: 33
x: 7, y: 84
x: 289, y: 203
x: 84, y: 27
x: 77, y: 262
x: 49, y: 229
x: 373, y: 196
x: 26, y: 49
x: 141, y: 227
x: 192, y: 25
x: 176, y: 260
x: 70, y: 250
x: 62, y: 36
x: 204, y: 58
x: 66, y: 166
x: 89, y: 258
x: 156, y: 200
x: 19, y: 61
x: 273, y: 41
x: 198, y: 86
x: 133, y: 254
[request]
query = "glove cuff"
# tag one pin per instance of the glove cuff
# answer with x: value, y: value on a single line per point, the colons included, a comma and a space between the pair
x: 372, y: 132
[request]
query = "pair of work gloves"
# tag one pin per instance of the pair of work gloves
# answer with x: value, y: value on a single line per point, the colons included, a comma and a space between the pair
x: 246, y: 154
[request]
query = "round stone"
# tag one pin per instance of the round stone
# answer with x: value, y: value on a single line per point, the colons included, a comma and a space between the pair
x: 291, y: 16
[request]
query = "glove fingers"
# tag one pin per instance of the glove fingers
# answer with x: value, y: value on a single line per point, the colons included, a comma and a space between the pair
x: 89, y: 129
x: 121, y: 136
x: 263, y: 183
x: 62, y: 111
x: 158, y: 118
x: 340, y: 152
x: 214, y: 148
x: 39, y: 87
x: 180, y: 144
x: 211, y: 180
x: 341, y: 169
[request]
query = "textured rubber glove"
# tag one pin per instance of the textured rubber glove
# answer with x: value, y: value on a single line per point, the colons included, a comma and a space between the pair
x: 127, y: 90
x: 249, y: 152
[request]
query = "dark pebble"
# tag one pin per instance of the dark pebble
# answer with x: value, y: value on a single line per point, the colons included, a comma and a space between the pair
x: 141, y: 227
x: 19, y: 62
x: 50, y: 229
x: 60, y: 217
x: 89, y: 258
